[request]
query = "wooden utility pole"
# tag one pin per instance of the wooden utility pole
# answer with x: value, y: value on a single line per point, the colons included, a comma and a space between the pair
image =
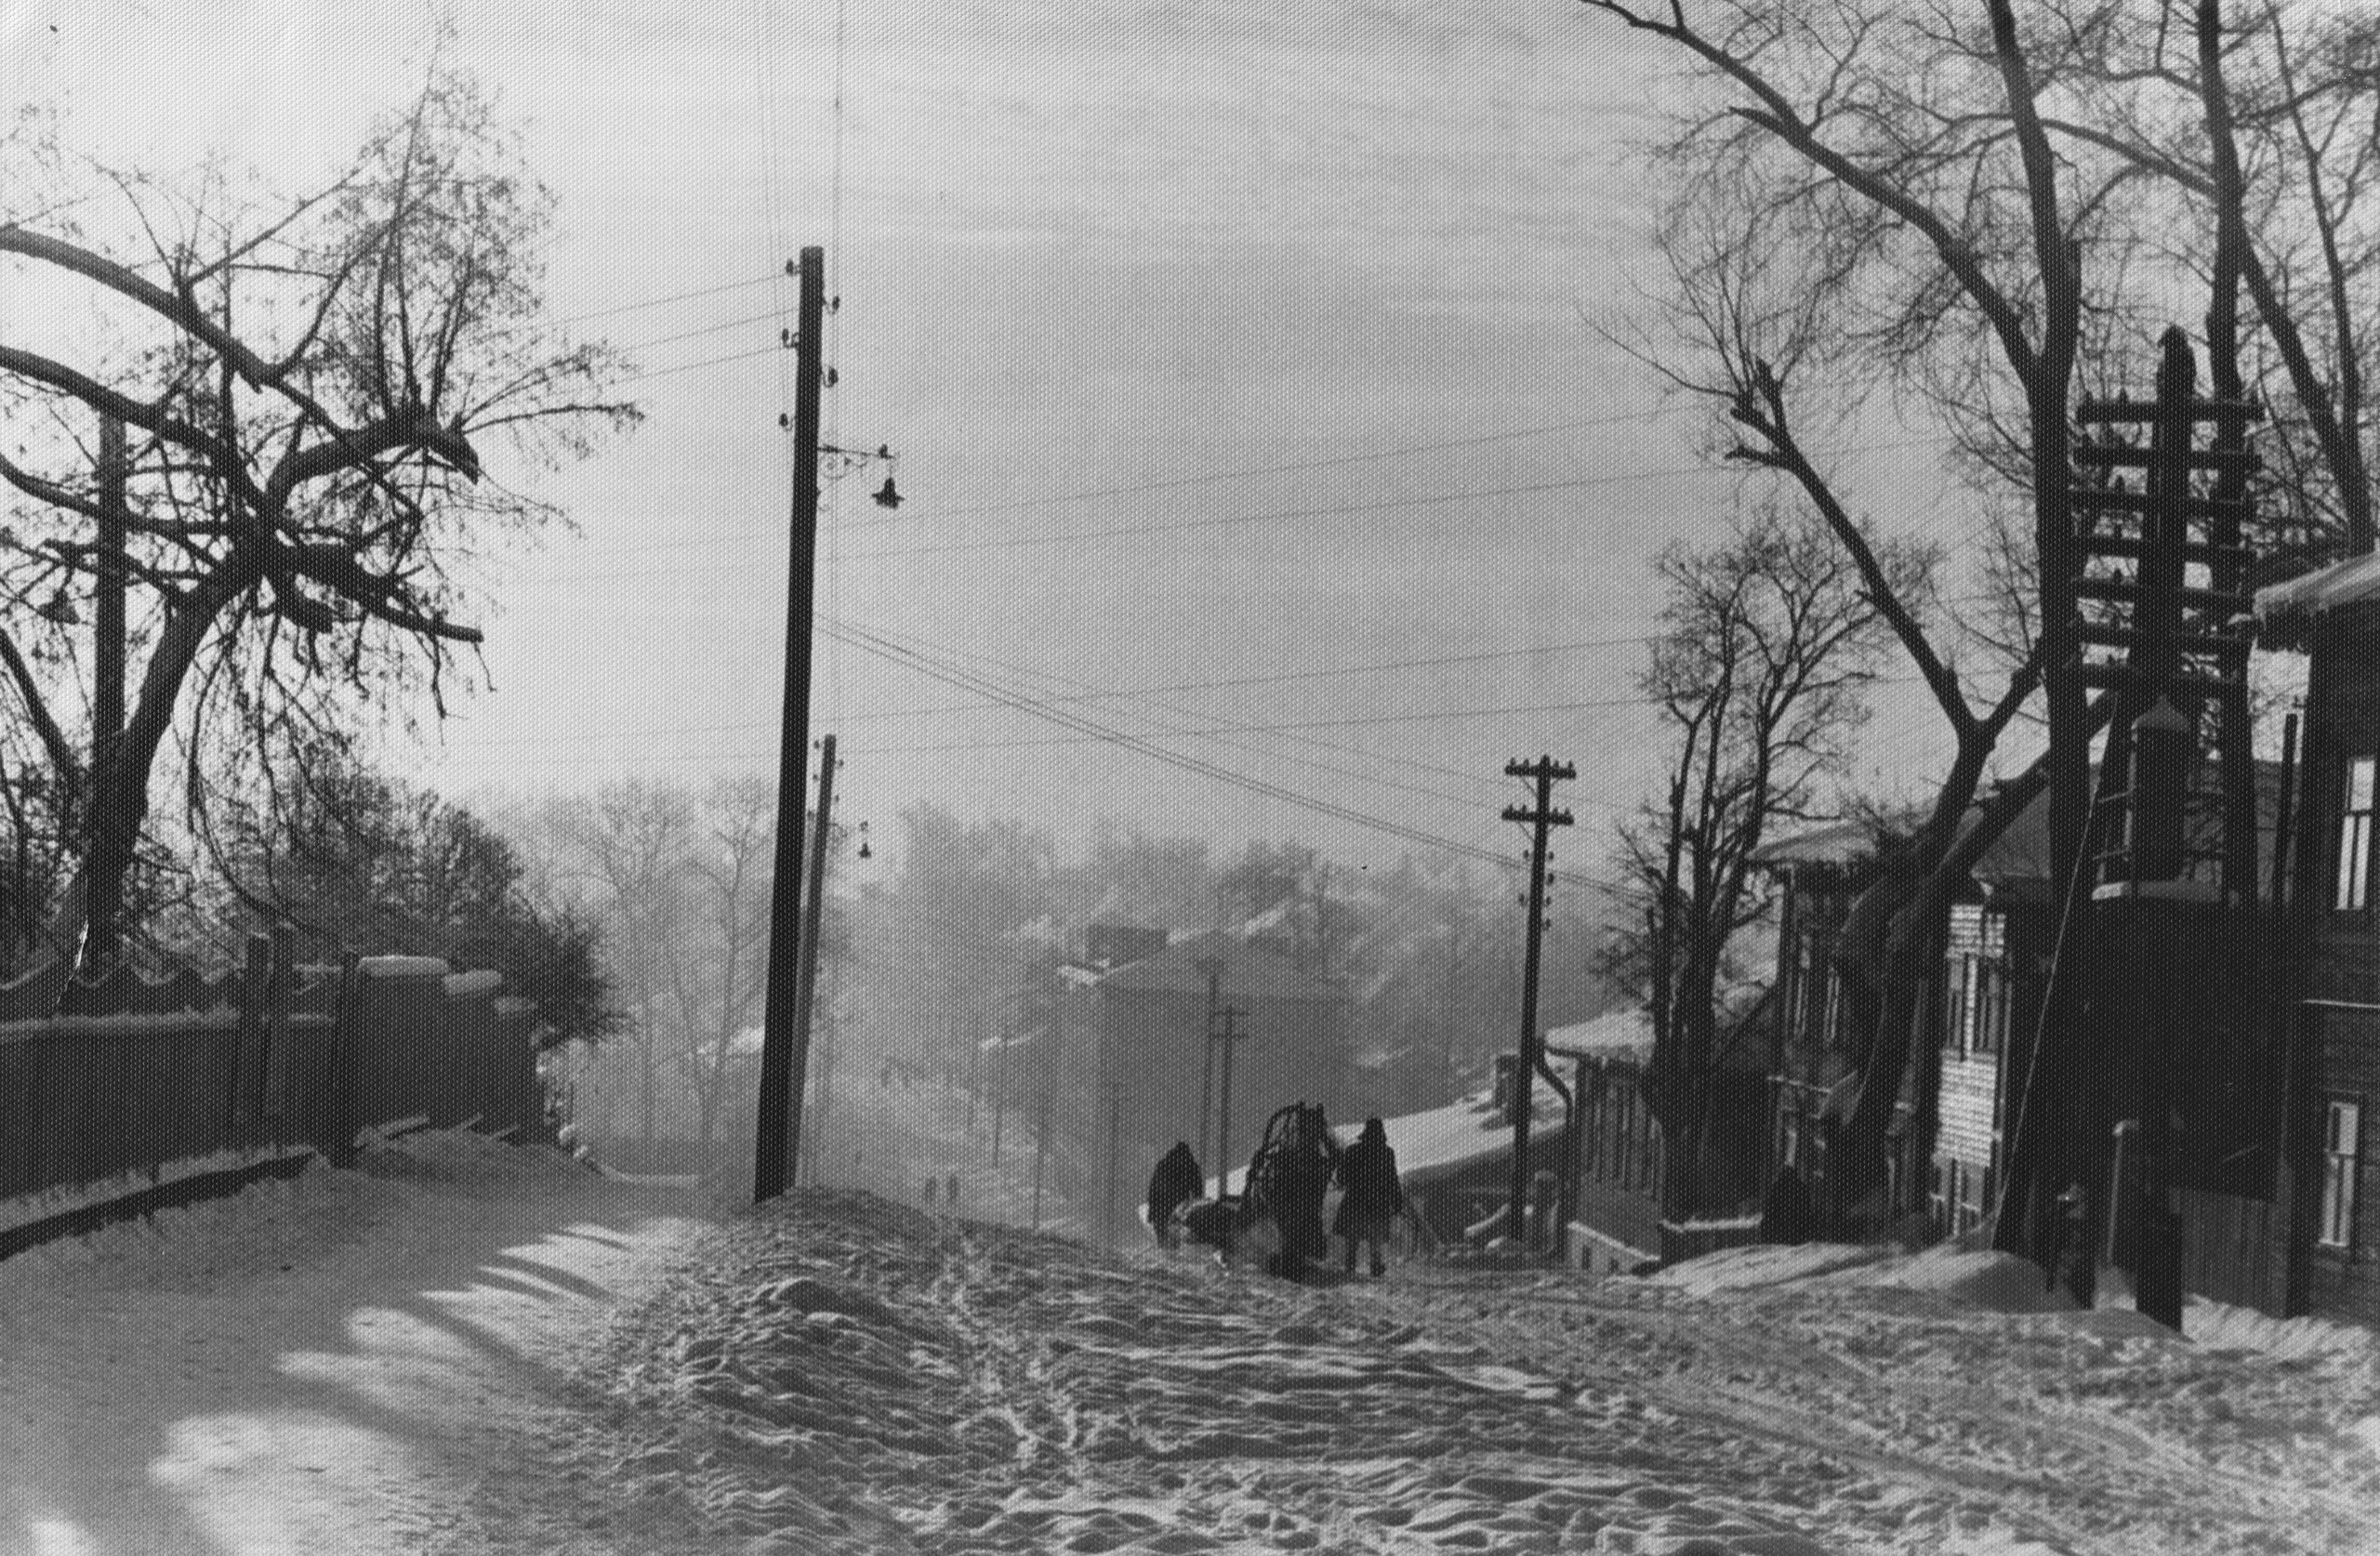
x: 1228, y: 1038
x: 1213, y: 968
x: 1041, y: 1155
x: 1544, y: 771
x: 108, y: 827
x: 814, y: 896
x: 974, y: 1037
x: 1115, y: 1149
x: 999, y: 1096
x: 778, y: 1134
x: 1454, y: 986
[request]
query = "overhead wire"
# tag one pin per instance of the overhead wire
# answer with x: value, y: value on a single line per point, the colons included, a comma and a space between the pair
x: 1461, y: 775
x: 1218, y: 738
x: 1142, y: 746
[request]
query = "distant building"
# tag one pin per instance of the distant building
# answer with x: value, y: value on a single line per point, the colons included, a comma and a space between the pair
x: 1123, y: 1045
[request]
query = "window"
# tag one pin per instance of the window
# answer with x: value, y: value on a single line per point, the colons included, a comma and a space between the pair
x: 1954, y: 1002
x: 1990, y: 1005
x: 1975, y: 994
x: 2341, y: 1141
x: 1816, y: 976
x: 2355, y: 835
x: 1972, y: 1192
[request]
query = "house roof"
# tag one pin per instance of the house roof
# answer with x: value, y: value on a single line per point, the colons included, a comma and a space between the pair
x: 1248, y: 972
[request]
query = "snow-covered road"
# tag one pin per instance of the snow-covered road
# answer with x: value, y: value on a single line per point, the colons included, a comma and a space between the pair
x: 946, y: 1386
x: 468, y: 1350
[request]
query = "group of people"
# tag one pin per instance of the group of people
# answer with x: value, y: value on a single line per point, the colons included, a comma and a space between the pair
x: 1289, y: 1180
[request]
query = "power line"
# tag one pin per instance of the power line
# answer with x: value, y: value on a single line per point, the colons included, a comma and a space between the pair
x: 1234, y: 682
x: 1344, y: 511
x: 1578, y: 483
x: 1020, y: 541
x: 1248, y: 473
x: 1460, y: 775
x: 1275, y: 728
x: 1118, y: 693
x: 1191, y: 764
x: 1162, y: 732
x: 659, y: 302
x: 692, y: 366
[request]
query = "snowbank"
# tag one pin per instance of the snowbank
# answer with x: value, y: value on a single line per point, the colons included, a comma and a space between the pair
x: 23, y: 1210
x: 2002, y: 1283
x: 1763, y: 1264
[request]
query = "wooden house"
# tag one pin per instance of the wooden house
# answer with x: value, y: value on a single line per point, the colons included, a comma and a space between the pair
x: 2327, y: 1221
x: 1616, y: 1215
x: 1949, y: 1135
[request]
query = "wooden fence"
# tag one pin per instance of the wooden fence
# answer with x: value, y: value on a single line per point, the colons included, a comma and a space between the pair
x: 133, y: 1094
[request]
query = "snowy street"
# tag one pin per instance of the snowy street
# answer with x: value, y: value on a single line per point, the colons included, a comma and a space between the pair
x: 469, y: 1350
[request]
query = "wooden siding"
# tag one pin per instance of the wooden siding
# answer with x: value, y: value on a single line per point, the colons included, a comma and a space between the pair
x: 1969, y: 1095
x: 2340, y: 966
x: 2232, y: 1248
x: 2345, y: 1282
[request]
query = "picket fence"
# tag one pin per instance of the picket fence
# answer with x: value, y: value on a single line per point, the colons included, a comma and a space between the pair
x: 126, y: 1095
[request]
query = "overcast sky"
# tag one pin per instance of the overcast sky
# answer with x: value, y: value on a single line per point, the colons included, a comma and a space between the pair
x: 1245, y: 367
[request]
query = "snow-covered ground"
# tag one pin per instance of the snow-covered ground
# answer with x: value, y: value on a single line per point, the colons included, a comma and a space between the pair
x: 466, y: 1349
x: 363, y: 1361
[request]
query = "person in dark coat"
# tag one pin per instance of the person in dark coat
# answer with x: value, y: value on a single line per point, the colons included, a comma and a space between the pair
x: 1374, y: 1196
x: 1175, y: 1182
x: 1292, y: 1178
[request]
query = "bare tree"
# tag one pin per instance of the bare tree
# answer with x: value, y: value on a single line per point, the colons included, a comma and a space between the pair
x: 717, y: 964
x: 630, y: 845
x: 308, y: 386
x: 1935, y: 185
x: 1769, y: 640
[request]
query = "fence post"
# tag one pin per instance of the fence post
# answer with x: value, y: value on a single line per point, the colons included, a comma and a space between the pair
x: 280, y: 988
x: 247, y: 1067
x: 341, y: 1112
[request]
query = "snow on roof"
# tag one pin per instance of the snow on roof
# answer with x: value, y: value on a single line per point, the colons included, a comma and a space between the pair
x: 1623, y: 1034
x: 1248, y: 970
x: 2326, y: 588
x: 405, y: 966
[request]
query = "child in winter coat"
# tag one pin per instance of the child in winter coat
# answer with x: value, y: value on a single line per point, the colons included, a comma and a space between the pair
x: 1374, y: 1197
